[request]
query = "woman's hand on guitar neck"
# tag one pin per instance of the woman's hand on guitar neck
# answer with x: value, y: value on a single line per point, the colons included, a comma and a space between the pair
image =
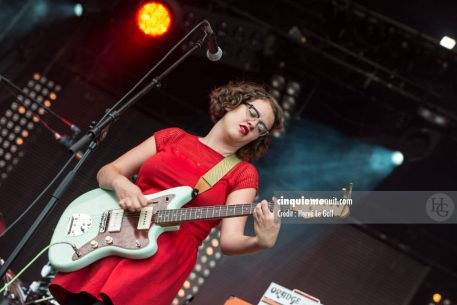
x: 266, y: 225
x: 130, y: 196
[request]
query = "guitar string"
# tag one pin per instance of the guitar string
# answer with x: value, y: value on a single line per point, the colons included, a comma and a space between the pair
x: 190, y: 213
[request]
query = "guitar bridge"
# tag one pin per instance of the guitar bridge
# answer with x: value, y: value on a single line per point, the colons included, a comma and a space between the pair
x: 103, y: 222
x: 78, y: 224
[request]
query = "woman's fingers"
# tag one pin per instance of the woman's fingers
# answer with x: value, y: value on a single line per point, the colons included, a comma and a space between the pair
x: 133, y: 203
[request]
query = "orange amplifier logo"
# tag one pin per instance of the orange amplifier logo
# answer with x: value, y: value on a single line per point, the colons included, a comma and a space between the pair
x: 279, y: 295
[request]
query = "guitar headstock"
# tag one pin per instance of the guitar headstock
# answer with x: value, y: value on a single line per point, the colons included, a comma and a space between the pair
x: 347, y: 196
x: 338, y: 208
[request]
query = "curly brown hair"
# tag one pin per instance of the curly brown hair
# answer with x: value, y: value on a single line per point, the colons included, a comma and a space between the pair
x: 234, y: 94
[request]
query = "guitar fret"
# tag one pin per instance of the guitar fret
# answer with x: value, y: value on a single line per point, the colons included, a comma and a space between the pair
x: 210, y: 212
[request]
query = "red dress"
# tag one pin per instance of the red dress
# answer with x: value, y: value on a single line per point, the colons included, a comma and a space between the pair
x: 181, y: 159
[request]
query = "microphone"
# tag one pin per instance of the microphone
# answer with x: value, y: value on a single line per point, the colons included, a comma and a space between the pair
x: 68, y: 141
x: 214, y: 52
x: 75, y: 129
x: 64, y: 139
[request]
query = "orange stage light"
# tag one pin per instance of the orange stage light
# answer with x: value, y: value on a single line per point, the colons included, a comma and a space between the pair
x: 154, y: 19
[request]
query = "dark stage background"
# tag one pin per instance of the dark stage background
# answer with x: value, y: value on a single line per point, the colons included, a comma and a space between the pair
x: 366, y: 72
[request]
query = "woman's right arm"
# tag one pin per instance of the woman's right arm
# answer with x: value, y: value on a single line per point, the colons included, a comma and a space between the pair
x: 115, y: 175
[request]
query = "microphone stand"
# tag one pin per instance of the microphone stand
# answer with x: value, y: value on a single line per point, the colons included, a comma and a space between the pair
x: 95, y: 135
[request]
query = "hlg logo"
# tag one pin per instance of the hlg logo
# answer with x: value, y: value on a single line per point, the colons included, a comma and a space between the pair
x: 439, y: 207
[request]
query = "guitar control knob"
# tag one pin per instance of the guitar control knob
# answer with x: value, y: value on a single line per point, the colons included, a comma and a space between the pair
x: 109, y: 240
x: 94, y: 244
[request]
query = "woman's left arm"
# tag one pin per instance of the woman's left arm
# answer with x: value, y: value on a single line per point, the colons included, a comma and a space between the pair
x: 266, y: 227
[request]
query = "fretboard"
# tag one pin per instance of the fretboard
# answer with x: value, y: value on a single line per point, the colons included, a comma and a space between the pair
x: 203, y: 213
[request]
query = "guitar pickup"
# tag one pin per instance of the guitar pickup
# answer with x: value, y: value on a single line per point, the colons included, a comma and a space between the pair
x: 115, y: 220
x: 145, y: 220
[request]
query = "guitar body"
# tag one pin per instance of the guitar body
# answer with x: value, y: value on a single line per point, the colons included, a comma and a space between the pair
x: 95, y: 225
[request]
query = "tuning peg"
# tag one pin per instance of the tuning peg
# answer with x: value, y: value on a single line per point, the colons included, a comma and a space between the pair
x: 344, y: 192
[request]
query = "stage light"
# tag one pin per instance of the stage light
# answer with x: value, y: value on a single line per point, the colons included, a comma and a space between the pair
x: 293, y: 88
x: 154, y: 19
x: 215, y: 242
x: 397, y: 158
x: 437, y: 297
x: 204, y: 259
x: 433, y: 117
x: 278, y: 82
x: 288, y: 103
x: 276, y: 134
x: 78, y: 9
x: 382, y: 159
x: 275, y: 93
x: 447, y: 42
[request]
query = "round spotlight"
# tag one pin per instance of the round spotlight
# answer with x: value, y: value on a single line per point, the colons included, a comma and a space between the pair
x: 78, y: 9
x: 276, y: 134
x: 437, y: 297
x: 276, y: 94
x: 293, y: 88
x: 278, y: 82
x: 214, y: 242
x: 288, y: 103
x: 397, y: 158
x: 154, y: 19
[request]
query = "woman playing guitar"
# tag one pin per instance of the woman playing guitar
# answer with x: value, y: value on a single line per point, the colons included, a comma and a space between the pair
x: 244, y: 115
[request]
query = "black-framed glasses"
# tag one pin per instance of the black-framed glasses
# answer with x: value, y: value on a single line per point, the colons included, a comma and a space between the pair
x: 253, y: 114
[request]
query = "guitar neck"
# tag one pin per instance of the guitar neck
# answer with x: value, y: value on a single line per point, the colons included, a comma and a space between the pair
x: 176, y: 216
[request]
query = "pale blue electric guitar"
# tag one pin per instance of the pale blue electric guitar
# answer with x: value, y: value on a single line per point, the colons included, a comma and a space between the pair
x: 93, y: 226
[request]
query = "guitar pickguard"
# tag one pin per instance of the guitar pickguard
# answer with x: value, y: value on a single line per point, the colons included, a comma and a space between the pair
x: 128, y: 232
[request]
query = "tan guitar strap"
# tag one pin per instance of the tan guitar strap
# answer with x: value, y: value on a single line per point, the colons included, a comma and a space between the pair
x: 216, y: 173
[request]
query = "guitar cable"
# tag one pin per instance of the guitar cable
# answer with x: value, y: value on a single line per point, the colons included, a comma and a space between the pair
x: 33, y: 260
